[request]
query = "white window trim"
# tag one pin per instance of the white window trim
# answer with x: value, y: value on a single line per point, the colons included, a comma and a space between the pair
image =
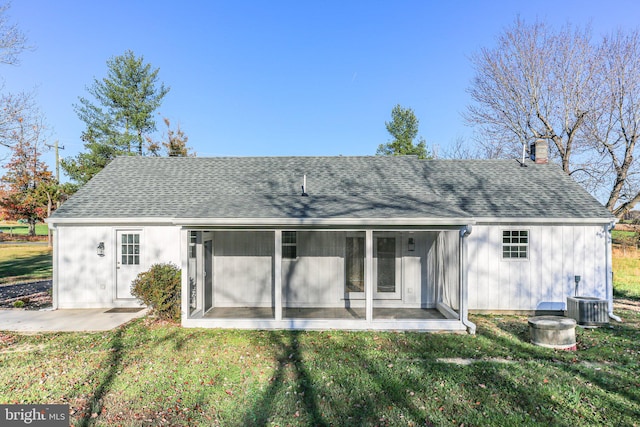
x: 526, y: 245
x: 294, y: 244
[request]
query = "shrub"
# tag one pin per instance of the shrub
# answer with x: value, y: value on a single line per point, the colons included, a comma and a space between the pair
x: 159, y: 288
x: 18, y: 304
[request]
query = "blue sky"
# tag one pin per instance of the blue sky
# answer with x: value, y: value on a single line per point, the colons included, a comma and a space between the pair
x: 255, y: 78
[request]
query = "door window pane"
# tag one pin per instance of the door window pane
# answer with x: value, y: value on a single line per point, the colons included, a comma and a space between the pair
x: 130, y: 249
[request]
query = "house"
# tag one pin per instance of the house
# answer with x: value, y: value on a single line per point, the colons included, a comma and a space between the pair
x: 394, y: 243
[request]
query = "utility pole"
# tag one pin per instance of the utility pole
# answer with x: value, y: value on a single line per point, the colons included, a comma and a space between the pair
x: 56, y: 147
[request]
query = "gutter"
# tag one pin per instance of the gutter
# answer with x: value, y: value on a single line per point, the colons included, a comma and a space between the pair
x: 464, y: 285
x: 301, y: 222
x: 609, y: 272
x: 55, y: 221
x: 538, y: 220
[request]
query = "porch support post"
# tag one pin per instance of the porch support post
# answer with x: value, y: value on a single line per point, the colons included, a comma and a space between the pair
x: 277, y: 274
x: 464, y: 285
x: 199, y: 273
x: 184, y: 260
x: 368, y: 276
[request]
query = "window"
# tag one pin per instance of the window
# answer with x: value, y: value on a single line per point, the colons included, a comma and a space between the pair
x: 130, y: 249
x: 515, y: 244
x: 289, y: 245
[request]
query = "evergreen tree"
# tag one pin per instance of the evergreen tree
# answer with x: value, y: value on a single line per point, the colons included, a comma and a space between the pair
x: 119, y: 115
x: 403, y: 127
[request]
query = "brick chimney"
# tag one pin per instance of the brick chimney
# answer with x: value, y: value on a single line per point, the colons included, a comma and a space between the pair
x: 539, y: 151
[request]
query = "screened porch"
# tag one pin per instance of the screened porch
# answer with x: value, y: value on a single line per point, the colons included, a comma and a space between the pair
x: 324, y: 279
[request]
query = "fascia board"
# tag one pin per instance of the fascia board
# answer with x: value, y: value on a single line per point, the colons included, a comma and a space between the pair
x: 108, y: 221
x: 524, y: 220
x: 321, y: 221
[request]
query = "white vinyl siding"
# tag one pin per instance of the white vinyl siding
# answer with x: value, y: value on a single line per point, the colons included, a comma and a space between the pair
x: 545, y: 278
x: 86, y: 280
x: 243, y: 268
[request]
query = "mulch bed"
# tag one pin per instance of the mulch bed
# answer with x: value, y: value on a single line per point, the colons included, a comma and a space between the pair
x: 34, y: 295
x: 7, y: 237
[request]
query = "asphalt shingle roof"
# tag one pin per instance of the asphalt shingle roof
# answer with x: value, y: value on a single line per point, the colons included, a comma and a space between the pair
x: 338, y: 187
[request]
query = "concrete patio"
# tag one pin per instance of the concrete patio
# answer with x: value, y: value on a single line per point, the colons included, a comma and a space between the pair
x: 78, y: 320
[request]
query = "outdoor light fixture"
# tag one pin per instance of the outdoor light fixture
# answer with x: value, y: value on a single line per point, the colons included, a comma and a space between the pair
x: 412, y: 244
x: 101, y: 249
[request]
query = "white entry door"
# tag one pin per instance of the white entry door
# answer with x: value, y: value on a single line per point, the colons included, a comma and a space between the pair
x: 128, y: 264
x: 387, y: 266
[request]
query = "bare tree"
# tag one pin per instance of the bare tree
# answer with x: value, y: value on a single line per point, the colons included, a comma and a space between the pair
x: 613, y: 125
x: 12, y: 39
x: 538, y: 83
x: 532, y: 85
x: 175, y: 144
x: 462, y: 150
x: 12, y: 106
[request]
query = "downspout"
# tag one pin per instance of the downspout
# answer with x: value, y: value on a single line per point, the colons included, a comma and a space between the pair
x: 609, y: 270
x: 464, y: 285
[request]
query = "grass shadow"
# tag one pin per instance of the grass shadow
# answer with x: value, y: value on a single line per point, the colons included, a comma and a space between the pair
x: 114, y: 361
x: 290, y: 362
x: 31, y: 266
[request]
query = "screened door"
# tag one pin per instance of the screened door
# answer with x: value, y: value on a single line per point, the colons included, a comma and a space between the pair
x: 386, y: 266
x: 354, y: 267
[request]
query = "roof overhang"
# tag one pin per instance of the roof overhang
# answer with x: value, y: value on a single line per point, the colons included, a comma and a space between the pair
x: 321, y: 222
x: 109, y: 221
x: 558, y: 221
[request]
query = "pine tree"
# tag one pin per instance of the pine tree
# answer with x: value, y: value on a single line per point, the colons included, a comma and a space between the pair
x: 119, y: 115
x: 403, y: 127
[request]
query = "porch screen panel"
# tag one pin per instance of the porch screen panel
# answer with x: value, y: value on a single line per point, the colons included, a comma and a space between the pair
x: 386, y: 254
x: 355, y: 264
x: 448, y: 271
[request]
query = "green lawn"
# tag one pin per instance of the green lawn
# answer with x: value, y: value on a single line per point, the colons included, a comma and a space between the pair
x: 160, y: 374
x: 165, y: 375
x: 23, y: 229
x: 24, y: 262
x: 626, y: 273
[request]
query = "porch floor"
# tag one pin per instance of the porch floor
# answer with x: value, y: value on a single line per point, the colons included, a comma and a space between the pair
x: 323, y: 313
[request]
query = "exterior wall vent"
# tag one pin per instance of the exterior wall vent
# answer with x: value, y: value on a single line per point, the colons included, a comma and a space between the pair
x: 588, y: 311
